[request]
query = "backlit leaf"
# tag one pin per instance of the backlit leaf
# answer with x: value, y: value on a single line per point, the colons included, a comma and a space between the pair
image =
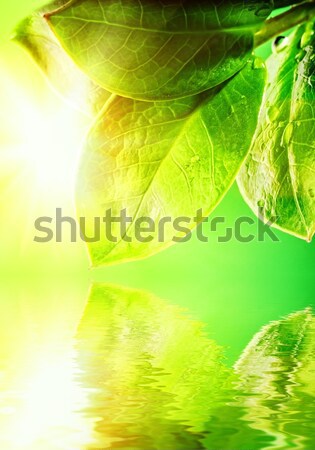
x: 279, y: 175
x: 35, y: 35
x: 165, y: 160
x: 159, y: 50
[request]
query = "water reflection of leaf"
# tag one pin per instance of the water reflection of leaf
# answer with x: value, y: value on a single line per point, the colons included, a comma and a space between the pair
x: 144, y: 376
x: 277, y: 376
x: 153, y: 375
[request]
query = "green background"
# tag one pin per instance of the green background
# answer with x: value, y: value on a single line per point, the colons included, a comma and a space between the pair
x: 234, y: 288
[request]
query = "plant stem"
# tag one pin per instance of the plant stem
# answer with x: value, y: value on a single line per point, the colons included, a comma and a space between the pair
x: 283, y: 22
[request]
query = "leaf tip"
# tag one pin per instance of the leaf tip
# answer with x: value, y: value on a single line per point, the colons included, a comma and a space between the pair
x: 20, y: 31
x: 309, y: 237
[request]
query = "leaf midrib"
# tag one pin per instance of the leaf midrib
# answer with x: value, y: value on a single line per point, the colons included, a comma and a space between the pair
x: 249, y: 28
x: 168, y: 153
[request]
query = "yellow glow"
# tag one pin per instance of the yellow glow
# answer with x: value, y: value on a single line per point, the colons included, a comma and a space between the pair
x: 40, y: 134
x: 41, y: 138
x: 42, y: 400
x: 46, y: 407
x: 50, y: 148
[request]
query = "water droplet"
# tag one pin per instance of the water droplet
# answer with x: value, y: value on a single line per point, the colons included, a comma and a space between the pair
x: 311, y: 193
x: 273, y: 113
x: 261, y: 203
x: 194, y: 159
x: 287, y: 134
x: 279, y: 44
x: 258, y: 63
x: 306, y: 38
x: 277, y: 149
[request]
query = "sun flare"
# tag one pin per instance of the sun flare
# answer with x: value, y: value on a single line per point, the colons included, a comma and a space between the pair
x: 50, y: 147
x: 42, y: 137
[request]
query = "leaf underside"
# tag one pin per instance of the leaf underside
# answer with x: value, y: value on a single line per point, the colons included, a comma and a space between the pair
x: 277, y: 178
x: 180, y: 149
x: 165, y: 159
x: 158, y: 50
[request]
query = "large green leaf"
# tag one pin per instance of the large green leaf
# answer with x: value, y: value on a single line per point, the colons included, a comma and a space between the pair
x: 277, y: 378
x: 165, y: 159
x: 159, y: 50
x: 278, y: 177
x: 35, y: 35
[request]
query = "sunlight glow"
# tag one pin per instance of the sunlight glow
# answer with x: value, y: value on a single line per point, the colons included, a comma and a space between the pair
x: 43, y: 136
x: 51, y: 145
x: 47, y: 406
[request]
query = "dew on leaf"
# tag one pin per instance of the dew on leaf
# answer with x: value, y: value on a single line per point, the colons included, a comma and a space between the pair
x: 194, y: 159
x: 287, y: 134
x: 306, y: 38
x: 258, y: 63
x: 273, y: 113
x: 279, y: 44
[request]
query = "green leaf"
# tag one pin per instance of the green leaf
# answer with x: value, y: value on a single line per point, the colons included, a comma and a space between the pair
x: 35, y: 35
x: 277, y: 379
x: 159, y: 50
x: 278, y: 178
x: 150, y: 372
x: 165, y: 159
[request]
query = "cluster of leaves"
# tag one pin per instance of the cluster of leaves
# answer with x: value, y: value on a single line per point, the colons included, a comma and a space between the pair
x: 155, y: 380
x: 181, y: 108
